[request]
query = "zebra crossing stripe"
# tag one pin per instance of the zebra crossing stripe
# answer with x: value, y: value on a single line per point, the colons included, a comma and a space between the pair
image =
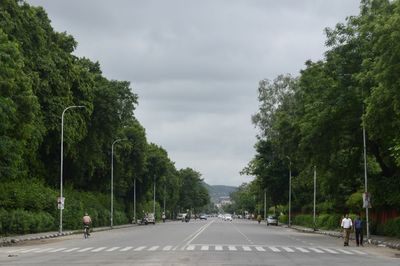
x: 246, y: 248
x: 98, y: 249
x: 274, y: 249
x: 112, y: 249
x: 139, y: 248
x: 218, y: 248
x: 153, y: 248
x: 43, y: 250
x: 205, y: 247
x: 302, y: 250
x: 316, y: 250
x: 29, y: 250
x: 260, y: 248
x: 85, y: 249
x: 191, y: 247
x: 71, y: 249
x: 345, y: 251
x: 167, y: 248
x: 126, y: 249
x: 57, y: 250
x: 232, y: 248
x: 358, y: 252
x: 288, y: 249
x: 330, y: 251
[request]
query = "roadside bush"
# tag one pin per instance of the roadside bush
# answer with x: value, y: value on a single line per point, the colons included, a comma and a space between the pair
x: 392, y: 227
x: 304, y: 220
x: 328, y: 221
x: 22, y: 222
x: 283, y: 219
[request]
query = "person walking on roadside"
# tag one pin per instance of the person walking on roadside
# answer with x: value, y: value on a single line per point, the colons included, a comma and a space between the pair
x: 346, y: 225
x: 359, y: 227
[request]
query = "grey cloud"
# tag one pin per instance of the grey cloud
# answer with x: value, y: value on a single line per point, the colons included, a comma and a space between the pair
x: 196, y: 65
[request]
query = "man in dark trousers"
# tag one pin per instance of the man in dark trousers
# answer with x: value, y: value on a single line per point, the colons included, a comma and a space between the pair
x: 359, y: 227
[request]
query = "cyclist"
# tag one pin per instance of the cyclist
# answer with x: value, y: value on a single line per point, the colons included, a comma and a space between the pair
x: 87, y: 221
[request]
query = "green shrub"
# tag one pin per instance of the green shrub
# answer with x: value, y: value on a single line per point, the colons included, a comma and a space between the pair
x: 392, y: 227
x: 328, y: 221
x: 283, y: 219
x: 304, y: 220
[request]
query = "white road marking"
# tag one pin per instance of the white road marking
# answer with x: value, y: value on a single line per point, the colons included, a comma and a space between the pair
x: 191, y: 247
x: 85, y: 249
x: 139, y: 248
x: 112, y: 249
x: 274, y: 249
x: 302, y: 250
x: 126, y: 249
x: 345, y: 251
x: 153, y: 248
x: 29, y: 250
x: 98, y: 249
x: 288, y: 249
x: 232, y: 248
x: 71, y: 249
x: 167, y: 248
x: 316, y: 250
x: 260, y: 248
x: 43, y: 250
x: 57, y: 250
x: 218, y: 248
x: 358, y: 252
x: 330, y: 250
x: 205, y: 247
x: 246, y: 248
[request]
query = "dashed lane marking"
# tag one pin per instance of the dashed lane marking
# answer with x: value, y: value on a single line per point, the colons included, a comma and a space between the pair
x: 112, y: 249
x: 139, y: 248
x: 126, y: 249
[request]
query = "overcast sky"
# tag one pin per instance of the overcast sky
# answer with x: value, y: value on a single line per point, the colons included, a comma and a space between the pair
x: 196, y: 65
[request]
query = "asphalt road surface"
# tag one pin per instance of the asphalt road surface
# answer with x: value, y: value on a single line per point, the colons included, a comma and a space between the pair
x: 211, y: 242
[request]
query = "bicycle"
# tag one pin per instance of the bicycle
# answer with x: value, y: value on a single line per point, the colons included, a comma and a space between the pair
x: 86, y: 233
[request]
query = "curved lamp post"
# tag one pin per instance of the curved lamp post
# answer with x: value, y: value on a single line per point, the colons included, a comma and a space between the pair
x: 112, y: 179
x: 290, y: 190
x: 62, y: 160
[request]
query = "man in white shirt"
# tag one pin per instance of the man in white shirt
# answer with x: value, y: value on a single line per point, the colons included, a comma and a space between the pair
x: 346, y: 225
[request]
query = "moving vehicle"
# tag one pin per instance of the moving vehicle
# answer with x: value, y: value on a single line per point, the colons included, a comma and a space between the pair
x: 181, y: 216
x: 151, y: 218
x: 228, y: 217
x: 203, y: 217
x: 272, y: 219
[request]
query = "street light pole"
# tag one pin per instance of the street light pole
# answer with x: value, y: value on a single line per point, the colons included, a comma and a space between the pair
x: 290, y: 190
x: 134, y: 200
x: 315, y: 192
x: 365, y: 174
x: 154, y: 197
x: 265, y: 205
x: 112, y: 180
x: 62, y: 161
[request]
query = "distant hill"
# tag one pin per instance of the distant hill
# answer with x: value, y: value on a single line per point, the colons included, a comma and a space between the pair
x: 218, y: 191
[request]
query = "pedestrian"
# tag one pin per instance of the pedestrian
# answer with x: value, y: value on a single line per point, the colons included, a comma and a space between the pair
x: 346, y: 225
x: 359, y: 227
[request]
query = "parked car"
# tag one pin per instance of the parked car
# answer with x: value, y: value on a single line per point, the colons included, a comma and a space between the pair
x: 272, y: 219
x: 203, y: 217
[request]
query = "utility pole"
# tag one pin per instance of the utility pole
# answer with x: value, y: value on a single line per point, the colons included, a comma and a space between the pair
x: 290, y: 191
x: 134, y: 200
x: 315, y: 193
x: 265, y: 205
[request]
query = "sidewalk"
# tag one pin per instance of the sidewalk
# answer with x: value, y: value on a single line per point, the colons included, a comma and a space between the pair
x: 10, y: 240
x: 382, y: 241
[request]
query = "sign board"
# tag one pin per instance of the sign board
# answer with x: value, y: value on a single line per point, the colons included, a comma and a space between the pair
x: 60, y: 203
x: 367, y: 200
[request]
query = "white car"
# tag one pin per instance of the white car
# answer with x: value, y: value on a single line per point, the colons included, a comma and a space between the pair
x: 272, y: 220
x: 228, y: 217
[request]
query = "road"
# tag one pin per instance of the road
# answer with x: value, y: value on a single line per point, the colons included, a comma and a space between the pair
x: 211, y: 242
